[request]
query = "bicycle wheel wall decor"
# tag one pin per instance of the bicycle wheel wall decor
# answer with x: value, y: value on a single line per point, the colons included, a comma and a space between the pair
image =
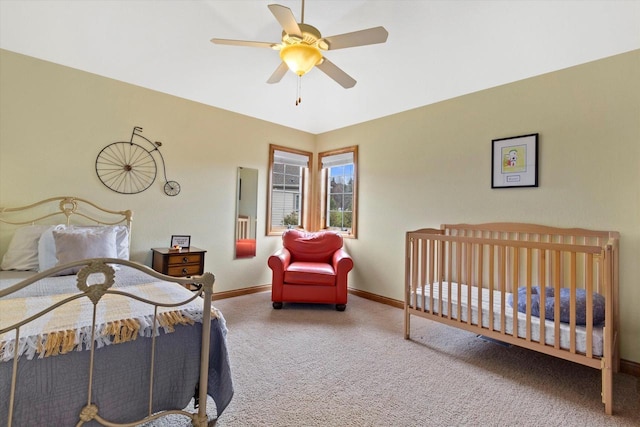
x: 126, y: 167
x: 129, y: 168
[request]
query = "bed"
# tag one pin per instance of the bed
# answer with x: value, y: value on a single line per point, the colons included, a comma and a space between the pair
x: 91, y: 338
x: 548, y: 289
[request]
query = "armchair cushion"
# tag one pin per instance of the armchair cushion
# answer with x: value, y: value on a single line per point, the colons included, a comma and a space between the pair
x: 310, y: 273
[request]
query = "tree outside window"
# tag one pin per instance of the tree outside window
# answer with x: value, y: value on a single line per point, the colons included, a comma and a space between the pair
x: 339, y: 189
x: 340, y: 196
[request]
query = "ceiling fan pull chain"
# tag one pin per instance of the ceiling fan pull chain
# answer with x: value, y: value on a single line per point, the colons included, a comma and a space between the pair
x: 299, y: 91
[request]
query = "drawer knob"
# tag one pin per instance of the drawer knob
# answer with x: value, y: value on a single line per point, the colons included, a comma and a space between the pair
x: 185, y: 260
x: 185, y: 271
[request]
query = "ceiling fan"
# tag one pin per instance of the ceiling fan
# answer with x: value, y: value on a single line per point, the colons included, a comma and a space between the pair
x: 302, y: 45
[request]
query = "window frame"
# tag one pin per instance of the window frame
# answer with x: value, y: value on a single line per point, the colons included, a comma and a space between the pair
x: 304, y: 189
x: 323, y: 174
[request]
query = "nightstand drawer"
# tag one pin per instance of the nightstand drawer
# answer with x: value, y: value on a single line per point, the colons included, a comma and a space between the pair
x: 184, y: 270
x: 179, y: 259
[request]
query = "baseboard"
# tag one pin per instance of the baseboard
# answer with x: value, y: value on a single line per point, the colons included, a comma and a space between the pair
x: 626, y: 366
x: 240, y: 292
x: 629, y: 367
x: 377, y: 298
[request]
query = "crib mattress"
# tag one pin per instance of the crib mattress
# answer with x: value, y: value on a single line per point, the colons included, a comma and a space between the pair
x: 417, y: 300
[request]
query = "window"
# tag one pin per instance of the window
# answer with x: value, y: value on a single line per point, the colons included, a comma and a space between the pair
x: 339, y: 189
x: 288, y: 172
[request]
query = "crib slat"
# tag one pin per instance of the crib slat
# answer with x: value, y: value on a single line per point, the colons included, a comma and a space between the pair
x: 572, y: 305
x: 501, y: 285
x: 589, y: 291
x: 556, y: 290
x: 541, y: 274
x: 449, y: 277
x: 516, y: 295
x: 491, y: 285
x: 414, y: 272
x: 515, y: 281
x: 459, y: 279
x: 422, y: 280
x: 430, y: 267
x: 479, y: 280
x: 441, y: 274
x: 528, y: 284
x: 469, y: 281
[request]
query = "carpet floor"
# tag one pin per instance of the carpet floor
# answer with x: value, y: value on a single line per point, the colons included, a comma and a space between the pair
x: 309, y: 365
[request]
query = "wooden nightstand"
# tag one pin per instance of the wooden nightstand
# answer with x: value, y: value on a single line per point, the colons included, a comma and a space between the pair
x: 183, y: 263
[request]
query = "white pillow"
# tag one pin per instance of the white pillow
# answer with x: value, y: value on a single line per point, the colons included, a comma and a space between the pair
x: 47, y: 248
x: 122, y: 241
x: 122, y: 237
x: 22, y: 253
x: 72, y: 245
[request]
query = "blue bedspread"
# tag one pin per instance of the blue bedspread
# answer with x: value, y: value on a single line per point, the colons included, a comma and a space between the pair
x: 53, y: 390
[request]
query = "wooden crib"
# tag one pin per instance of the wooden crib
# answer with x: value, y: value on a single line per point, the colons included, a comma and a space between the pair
x: 494, y: 279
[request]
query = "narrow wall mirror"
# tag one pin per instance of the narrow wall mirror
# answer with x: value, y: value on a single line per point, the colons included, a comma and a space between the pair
x: 246, y: 212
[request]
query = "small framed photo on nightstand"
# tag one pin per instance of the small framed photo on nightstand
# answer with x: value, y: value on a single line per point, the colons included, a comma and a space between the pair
x: 180, y: 241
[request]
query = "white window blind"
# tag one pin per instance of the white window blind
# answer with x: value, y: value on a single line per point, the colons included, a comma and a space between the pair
x: 337, y: 160
x: 290, y: 158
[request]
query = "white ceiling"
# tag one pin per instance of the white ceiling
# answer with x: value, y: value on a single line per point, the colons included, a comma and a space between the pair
x: 436, y: 50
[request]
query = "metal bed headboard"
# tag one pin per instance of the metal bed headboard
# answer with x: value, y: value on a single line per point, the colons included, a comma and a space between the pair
x: 64, y: 209
x: 67, y: 207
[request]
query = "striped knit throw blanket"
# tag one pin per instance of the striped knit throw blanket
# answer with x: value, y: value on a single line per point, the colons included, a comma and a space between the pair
x: 118, y: 319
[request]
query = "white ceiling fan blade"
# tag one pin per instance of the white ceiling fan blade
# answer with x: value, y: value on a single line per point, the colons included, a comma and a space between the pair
x: 286, y: 19
x: 357, y: 38
x: 278, y: 73
x: 244, y: 43
x: 331, y: 70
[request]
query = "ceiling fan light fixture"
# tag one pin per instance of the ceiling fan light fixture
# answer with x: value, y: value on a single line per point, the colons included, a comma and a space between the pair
x: 300, y: 57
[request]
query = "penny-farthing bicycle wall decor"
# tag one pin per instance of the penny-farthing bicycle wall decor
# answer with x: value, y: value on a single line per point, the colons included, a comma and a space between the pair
x: 130, y: 168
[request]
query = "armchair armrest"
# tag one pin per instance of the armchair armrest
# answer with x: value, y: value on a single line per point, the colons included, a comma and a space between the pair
x: 342, y: 262
x: 280, y: 260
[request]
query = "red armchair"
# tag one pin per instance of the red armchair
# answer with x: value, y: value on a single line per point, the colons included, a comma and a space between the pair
x: 310, y: 267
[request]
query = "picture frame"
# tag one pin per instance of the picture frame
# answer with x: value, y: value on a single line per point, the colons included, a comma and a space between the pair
x: 514, y: 161
x: 180, y: 240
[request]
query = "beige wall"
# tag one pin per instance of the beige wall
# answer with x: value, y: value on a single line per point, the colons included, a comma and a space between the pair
x: 419, y: 168
x: 55, y: 120
x: 431, y: 165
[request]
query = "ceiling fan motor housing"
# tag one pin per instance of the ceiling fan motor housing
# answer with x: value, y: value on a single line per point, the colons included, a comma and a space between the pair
x: 301, y: 54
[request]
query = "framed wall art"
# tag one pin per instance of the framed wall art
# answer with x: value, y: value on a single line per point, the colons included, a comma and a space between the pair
x: 514, y: 161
